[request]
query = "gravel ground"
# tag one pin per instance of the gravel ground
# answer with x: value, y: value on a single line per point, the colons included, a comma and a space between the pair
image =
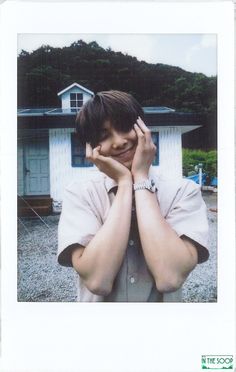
x: 42, y: 279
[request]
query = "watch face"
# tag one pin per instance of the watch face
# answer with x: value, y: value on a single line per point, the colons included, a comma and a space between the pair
x: 153, y: 186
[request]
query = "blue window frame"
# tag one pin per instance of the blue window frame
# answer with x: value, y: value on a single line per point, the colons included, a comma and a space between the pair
x: 155, y: 138
x: 78, y: 158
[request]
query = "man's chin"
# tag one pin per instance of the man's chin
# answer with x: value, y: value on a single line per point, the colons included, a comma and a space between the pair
x: 127, y: 163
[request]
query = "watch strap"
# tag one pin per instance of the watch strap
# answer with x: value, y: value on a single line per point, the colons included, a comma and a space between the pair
x: 146, y: 184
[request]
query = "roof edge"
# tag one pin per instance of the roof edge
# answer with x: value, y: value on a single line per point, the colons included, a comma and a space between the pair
x: 77, y: 85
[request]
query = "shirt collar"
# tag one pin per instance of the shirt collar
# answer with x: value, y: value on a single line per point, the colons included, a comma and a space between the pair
x: 110, y: 183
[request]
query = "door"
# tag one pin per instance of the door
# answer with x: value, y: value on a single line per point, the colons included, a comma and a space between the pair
x: 36, y: 166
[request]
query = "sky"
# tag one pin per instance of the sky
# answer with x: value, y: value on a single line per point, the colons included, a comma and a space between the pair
x: 192, y: 52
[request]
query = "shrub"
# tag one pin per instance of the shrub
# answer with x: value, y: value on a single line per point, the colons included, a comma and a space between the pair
x: 208, y: 159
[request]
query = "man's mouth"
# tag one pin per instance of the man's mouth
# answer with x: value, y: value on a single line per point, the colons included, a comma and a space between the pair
x: 124, y: 154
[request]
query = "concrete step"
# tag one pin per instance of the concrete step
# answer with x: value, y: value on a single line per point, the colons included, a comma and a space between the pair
x: 42, y: 205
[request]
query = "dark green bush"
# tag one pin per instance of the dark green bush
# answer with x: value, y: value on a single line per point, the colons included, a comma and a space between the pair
x: 208, y: 159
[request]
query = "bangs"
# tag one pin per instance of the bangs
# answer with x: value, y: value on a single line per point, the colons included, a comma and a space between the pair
x: 119, y: 108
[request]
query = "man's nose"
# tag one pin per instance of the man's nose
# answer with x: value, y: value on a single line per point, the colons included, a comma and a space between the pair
x: 118, y: 140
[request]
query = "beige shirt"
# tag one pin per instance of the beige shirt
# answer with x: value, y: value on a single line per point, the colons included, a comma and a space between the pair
x: 85, y: 208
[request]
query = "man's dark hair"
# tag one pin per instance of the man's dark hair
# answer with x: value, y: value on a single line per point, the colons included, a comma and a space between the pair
x: 119, y: 108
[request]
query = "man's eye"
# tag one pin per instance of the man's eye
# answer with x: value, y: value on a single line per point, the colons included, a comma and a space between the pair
x: 103, y: 136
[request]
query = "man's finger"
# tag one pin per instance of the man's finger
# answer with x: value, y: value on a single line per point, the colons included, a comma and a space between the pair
x: 96, y: 152
x: 140, y: 134
x: 142, y: 125
x: 144, y: 129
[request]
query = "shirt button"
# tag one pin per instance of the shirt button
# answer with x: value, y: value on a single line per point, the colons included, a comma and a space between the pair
x: 132, y: 280
x: 131, y: 242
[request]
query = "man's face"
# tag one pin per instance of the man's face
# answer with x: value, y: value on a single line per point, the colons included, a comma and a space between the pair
x: 118, y: 145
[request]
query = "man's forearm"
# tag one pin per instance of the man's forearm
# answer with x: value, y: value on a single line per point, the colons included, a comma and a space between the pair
x: 103, y: 256
x: 168, y: 257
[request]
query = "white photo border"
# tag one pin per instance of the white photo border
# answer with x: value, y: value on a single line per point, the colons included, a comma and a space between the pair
x: 116, y: 337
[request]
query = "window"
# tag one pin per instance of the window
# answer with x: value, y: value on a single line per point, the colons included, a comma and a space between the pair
x: 155, y: 138
x: 76, y: 101
x: 78, y: 153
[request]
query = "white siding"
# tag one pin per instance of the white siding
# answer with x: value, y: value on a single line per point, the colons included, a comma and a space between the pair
x: 170, y: 145
x: 20, y: 170
x: 65, y: 97
x: 61, y: 171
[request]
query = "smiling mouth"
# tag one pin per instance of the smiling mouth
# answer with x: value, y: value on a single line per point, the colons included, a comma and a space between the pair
x: 125, y: 154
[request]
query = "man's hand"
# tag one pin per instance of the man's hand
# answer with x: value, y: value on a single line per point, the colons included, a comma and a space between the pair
x: 144, y: 153
x: 107, y: 165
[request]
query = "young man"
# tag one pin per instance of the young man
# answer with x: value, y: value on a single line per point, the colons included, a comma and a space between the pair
x: 129, y: 235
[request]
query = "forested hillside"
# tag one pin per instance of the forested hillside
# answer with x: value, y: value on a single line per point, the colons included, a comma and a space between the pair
x: 47, y: 70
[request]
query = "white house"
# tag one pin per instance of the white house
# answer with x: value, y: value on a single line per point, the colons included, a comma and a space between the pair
x: 49, y: 156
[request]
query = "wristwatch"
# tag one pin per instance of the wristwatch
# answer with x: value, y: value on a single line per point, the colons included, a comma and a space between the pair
x: 147, y: 184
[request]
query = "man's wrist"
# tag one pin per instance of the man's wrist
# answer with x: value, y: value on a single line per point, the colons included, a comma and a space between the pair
x: 139, y: 177
x: 125, y: 181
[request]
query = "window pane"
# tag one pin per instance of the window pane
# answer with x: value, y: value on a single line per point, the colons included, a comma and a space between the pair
x: 87, y: 163
x: 79, y: 103
x: 73, y: 96
x: 72, y: 103
x: 78, y: 153
x: 76, y: 161
x: 78, y: 150
x: 79, y: 96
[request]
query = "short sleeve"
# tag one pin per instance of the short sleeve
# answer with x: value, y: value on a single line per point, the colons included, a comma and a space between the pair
x: 78, y: 223
x: 188, y: 217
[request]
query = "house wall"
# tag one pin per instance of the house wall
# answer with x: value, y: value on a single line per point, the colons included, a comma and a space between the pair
x: 20, y: 169
x: 65, y: 97
x: 170, y: 149
x: 62, y: 173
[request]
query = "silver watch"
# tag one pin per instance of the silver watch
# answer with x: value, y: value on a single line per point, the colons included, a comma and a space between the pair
x: 147, y: 184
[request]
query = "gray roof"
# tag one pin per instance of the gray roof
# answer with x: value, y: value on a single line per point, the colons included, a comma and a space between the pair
x: 65, y: 118
x: 72, y: 111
